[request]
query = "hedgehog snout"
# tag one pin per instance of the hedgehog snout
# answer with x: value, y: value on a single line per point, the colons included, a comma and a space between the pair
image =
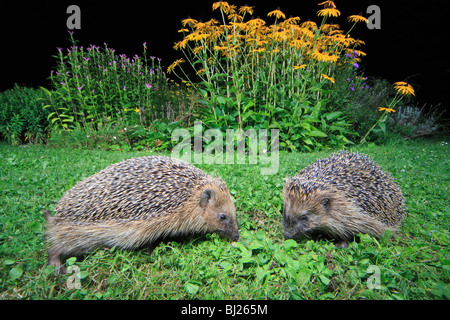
x: 296, y: 226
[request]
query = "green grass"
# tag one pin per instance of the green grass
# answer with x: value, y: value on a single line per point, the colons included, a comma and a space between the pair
x: 412, y: 265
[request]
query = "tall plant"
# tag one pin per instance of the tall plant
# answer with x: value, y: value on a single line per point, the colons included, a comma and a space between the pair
x: 97, y: 83
x: 274, y: 76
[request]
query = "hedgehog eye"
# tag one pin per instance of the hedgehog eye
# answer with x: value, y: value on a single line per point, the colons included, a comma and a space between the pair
x: 304, y: 217
x: 222, y: 216
x: 325, y: 202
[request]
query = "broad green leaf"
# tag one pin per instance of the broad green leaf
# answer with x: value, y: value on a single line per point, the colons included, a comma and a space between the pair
x: 16, y: 272
x: 191, y: 288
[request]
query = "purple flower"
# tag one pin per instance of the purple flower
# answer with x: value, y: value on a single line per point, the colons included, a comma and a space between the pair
x: 59, y: 49
x: 348, y: 55
x: 148, y: 85
x: 356, y: 65
x: 351, y: 88
x: 124, y: 88
x: 87, y: 77
x: 145, y: 45
x: 348, y: 79
x: 79, y: 88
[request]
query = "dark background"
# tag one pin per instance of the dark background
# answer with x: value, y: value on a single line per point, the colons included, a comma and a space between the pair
x: 411, y: 44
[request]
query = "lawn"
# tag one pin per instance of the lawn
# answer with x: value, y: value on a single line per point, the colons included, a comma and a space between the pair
x: 261, y: 265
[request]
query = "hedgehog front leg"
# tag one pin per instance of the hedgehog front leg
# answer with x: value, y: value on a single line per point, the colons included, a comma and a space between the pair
x: 54, y: 259
x: 151, y: 246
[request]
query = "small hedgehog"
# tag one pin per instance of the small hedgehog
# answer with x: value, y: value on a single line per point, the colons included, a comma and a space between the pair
x: 137, y: 203
x: 338, y: 197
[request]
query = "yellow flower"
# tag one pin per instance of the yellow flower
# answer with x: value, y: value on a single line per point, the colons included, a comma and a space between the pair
x: 324, y: 56
x: 256, y: 22
x: 180, y: 44
x: 311, y: 25
x: 174, y: 64
x: 246, y: 9
x: 386, y: 109
x: 329, y: 12
x: 223, y: 5
x: 293, y: 20
x: 328, y: 78
x: 303, y: 66
x: 220, y: 48
x: 404, y: 88
x: 235, y: 17
x: 137, y: 110
x: 197, y: 49
x: 277, y: 13
x: 197, y: 36
x: 357, y: 18
x: 183, y: 30
x: 125, y: 109
x: 189, y: 21
x: 328, y: 4
x: 257, y: 50
x: 297, y: 43
x: 200, y: 71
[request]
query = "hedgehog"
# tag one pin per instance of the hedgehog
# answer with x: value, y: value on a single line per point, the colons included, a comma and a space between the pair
x: 137, y: 203
x: 338, y: 197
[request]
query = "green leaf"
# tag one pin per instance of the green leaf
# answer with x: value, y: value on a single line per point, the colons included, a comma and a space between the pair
x: 16, y: 272
x: 316, y: 133
x: 324, y: 279
x: 112, y: 278
x: 333, y: 115
x: 248, y: 105
x: 226, y: 265
x: 261, y: 274
x: 246, y: 260
x: 9, y: 262
x: 289, y: 244
x: 46, y: 91
x: 191, y: 288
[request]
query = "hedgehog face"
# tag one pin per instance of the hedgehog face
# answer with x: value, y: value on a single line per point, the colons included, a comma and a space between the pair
x: 220, y: 213
x: 310, y: 214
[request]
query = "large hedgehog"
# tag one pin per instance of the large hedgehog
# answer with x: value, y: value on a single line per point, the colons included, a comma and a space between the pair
x: 136, y: 203
x: 338, y: 197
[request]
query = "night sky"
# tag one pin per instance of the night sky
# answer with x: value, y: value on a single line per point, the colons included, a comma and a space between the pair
x: 409, y: 46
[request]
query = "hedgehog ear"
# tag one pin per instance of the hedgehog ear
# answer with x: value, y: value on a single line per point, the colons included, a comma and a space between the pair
x: 208, y: 196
